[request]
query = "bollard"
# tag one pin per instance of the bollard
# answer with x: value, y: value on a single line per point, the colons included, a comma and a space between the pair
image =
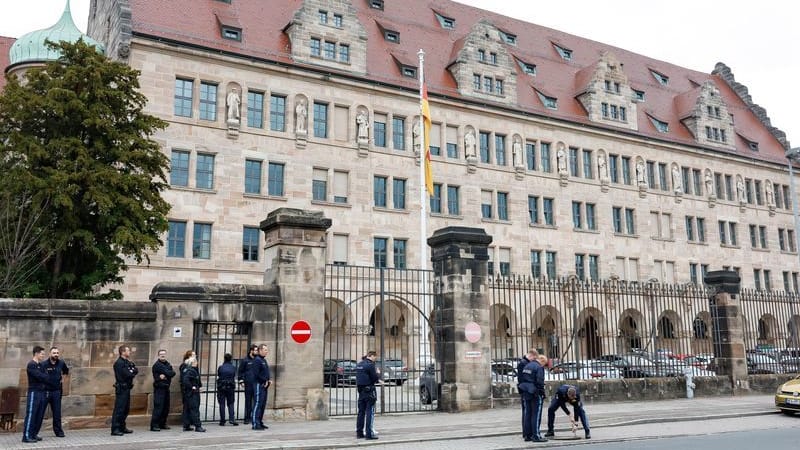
x: 689, y: 376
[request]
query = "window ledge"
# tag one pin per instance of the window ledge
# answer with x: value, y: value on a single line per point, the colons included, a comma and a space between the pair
x: 788, y: 252
x: 584, y: 230
x: 389, y: 210
x: 266, y: 197
x: 327, y: 203
x: 499, y: 221
x: 730, y: 246
x: 662, y: 239
x: 541, y: 225
x: 697, y: 242
x: 759, y: 249
x: 192, y: 189
x: 635, y: 236
x: 446, y: 216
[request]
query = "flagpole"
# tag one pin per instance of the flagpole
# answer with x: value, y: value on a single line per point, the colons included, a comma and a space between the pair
x: 425, y: 350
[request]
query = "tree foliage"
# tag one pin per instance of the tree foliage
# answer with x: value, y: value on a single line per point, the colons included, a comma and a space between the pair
x: 78, y: 162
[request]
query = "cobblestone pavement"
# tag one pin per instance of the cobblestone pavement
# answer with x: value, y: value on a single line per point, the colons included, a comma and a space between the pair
x: 490, y: 429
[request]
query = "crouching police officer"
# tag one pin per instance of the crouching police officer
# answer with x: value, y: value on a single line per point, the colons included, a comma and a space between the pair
x: 366, y: 377
x: 567, y: 394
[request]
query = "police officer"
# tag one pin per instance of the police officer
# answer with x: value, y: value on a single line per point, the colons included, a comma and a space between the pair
x: 567, y: 394
x: 260, y: 377
x: 532, y: 387
x: 162, y: 378
x: 246, y: 364
x: 366, y: 377
x: 530, y: 356
x: 190, y: 381
x: 35, y: 405
x: 124, y: 372
x: 185, y: 413
x: 226, y: 389
x: 55, y: 368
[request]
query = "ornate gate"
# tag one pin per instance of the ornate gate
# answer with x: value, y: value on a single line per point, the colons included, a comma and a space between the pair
x: 388, y: 311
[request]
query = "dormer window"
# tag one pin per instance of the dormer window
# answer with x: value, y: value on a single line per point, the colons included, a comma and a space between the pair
x: 639, y: 95
x: 409, y: 71
x: 753, y: 146
x: 376, y: 4
x: 234, y: 34
x: 508, y: 38
x: 660, y: 77
x: 547, y: 101
x: 716, y: 134
x: 527, y: 68
x: 565, y: 53
x: 446, y: 22
x: 392, y: 36
x: 660, y: 125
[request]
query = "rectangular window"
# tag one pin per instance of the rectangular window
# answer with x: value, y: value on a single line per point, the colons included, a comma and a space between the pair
x: 757, y: 279
x: 340, y: 249
x: 436, y: 199
x: 319, y: 185
x: 718, y: 186
x: 476, y: 82
x: 536, y: 264
x: 277, y: 113
x: 762, y: 236
x: 484, y: 144
x: 723, y: 232
x: 400, y: 253
x: 379, y: 185
x: 630, y: 224
x: 530, y: 155
x: 486, y: 204
x: 587, y: 165
x: 594, y: 267
x: 341, y: 187
x: 252, y: 177
x: 547, y: 211
x: 320, y: 120
x: 505, y: 262
x: 550, y: 264
x: 753, y: 239
x: 791, y: 240
x: 250, y: 237
x: 176, y: 239
x: 748, y: 189
x: 533, y: 209
x: 732, y: 233
x: 591, y: 223
x: 690, y: 228
x: 786, y: 285
x: 201, y: 241
x: 782, y: 239
x: 344, y: 53
x: 329, y: 50
x: 573, y: 161
x: 687, y: 188
x: 500, y: 149
x: 544, y: 150
x: 399, y: 193
x: 380, y: 247
x: 613, y: 171
x: 616, y: 219
x: 701, y: 229
x: 179, y: 168
x: 693, y: 273
x: 452, y: 150
x: 337, y: 20
x: 275, y: 181
x: 255, y: 109
x: 205, y: 171
x: 729, y: 187
x: 580, y: 270
x: 577, y: 221
x: 662, y: 176
x: 208, y: 101
x: 696, y: 182
x: 502, y: 205
x: 626, y: 170
x: 757, y: 188
x: 379, y: 132
x: 453, y: 201
x: 399, y: 133
x: 323, y: 17
x: 183, y: 97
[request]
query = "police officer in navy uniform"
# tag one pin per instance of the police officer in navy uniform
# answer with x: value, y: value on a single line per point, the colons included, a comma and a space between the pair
x: 567, y: 394
x: 532, y: 387
x: 246, y: 364
x: 55, y: 367
x: 530, y: 356
x: 191, y: 384
x: 162, y: 378
x: 366, y: 377
x: 260, y: 377
x: 124, y: 372
x: 35, y: 405
x: 226, y: 389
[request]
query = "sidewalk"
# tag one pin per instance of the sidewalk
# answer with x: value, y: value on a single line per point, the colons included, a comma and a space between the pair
x: 406, y: 428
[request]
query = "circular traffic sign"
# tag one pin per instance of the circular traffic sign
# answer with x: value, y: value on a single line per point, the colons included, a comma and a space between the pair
x: 301, y: 331
x: 472, y: 331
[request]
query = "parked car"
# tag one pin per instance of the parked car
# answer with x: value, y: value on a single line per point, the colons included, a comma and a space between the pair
x: 339, y: 372
x: 787, y: 397
x: 763, y: 363
x: 586, y: 370
x: 429, y: 388
x: 392, y: 370
x: 631, y: 366
x: 503, y: 371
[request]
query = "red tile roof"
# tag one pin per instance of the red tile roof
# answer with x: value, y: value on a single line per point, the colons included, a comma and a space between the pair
x: 5, y: 46
x: 263, y: 22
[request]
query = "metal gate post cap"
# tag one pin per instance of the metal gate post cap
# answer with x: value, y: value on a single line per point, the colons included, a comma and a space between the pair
x: 726, y: 281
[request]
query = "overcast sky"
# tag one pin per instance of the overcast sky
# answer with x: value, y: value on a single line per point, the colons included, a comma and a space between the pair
x: 755, y: 39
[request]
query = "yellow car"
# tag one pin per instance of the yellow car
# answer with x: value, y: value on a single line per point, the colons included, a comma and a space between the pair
x: 787, y: 397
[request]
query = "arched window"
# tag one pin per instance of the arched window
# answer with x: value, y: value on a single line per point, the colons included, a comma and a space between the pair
x: 665, y: 328
x: 700, y: 328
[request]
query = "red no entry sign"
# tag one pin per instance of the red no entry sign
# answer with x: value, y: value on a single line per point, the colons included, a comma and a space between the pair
x: 301, y: 331
x: 472, y: 331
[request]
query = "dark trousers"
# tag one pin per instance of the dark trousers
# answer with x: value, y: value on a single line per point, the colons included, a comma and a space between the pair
x: 579, y: 412
x: 248, y: 401
x: 34, y: 413
x: 259, y: 404
x: 523, y: 405
x: 226, y: 397
x: 122, y: 407
x: 191, y: 407
x: 366, y: 411
x: 53, y: 398
x: 160, y: 407
x: 531, y: 423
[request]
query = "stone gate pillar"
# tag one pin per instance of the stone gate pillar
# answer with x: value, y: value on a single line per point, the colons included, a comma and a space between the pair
x: 727, y: 329
x: 295, y: 253
x: 460, y: 257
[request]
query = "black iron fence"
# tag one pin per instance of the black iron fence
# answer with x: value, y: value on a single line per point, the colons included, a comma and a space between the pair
x: 771, y: 321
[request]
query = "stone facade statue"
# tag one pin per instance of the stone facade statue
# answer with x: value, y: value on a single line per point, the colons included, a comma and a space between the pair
x: 234, y: 102
x: 561, y: 159
x: 516, y: 152
x: 770, y: 194
x: 469, y: 144
x: 740, y: 190
x: 302, y: 112
x: 640, y: 175
x: 602, y: 170
x: 709, y: 181
x: 677, y: 183
x: 416, y: 131
x: 363, y: 126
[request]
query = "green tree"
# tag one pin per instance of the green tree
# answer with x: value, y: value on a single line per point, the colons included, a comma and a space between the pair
x: 77, y: 158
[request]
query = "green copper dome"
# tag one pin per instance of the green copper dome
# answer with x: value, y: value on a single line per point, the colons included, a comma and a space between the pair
x: 31, y: 48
